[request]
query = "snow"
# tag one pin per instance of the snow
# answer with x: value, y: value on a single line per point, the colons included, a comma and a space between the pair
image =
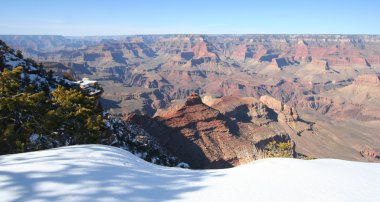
x: 12, y: 60
x: 183, y: 165
x: 34, y: 137
x: 38, y: 79
x: 86, y: 82
x: 103, y: 173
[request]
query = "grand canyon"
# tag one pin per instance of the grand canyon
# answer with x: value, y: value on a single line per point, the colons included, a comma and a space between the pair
x: 159, y: 100
x: 216, y: 101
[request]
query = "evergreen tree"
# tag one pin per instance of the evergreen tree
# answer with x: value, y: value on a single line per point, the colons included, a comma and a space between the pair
x: 10, y: 82
x: 29, y: 108
x: 21, y: 113
x: 2, y: 63
x: 19, y: 54
x: 83, y: 123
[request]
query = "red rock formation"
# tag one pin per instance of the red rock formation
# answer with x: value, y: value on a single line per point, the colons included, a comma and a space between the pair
x: 199, y: 135
x: 323, y: 52
x: 200, y: 50
x: 239, y: 52
x: 260, y: 53
x: 205, y: 138
x: 302, y: 51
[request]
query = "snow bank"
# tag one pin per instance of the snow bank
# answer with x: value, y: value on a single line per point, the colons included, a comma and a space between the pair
x: 102, y: 173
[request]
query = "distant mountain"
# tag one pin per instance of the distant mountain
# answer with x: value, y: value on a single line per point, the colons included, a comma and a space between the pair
x: 44, y: 43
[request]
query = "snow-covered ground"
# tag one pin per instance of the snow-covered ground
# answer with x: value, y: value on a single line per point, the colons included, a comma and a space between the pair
x: 102, y: 173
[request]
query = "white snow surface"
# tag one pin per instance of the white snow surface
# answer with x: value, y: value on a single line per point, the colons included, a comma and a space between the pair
x: 103, y: 173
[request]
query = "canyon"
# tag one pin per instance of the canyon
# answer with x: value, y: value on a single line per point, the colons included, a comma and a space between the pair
x: 216, y: 100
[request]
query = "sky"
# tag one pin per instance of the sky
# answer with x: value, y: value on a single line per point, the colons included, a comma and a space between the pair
x: 126, y: 17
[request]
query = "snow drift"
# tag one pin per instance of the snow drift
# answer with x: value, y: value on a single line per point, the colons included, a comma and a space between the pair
x: 103, y: 173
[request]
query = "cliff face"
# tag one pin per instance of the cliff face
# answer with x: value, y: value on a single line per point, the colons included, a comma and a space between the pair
x: 199, y: 135
x: 231, y: 132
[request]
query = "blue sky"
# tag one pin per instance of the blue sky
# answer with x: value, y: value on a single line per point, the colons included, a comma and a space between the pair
x: 121, y: 17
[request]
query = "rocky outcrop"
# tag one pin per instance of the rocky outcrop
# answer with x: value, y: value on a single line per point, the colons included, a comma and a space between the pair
x: 260, y: 53
x: 199, y: 135
x: 302, y: 52
x: 193, y: 99
x: 205, y: 137
x: 370, y: 154
x: 287, y: 116
x: 287, y: 113
x: 240, y: 52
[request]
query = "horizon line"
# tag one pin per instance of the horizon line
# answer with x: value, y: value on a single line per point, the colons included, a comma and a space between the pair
x: 161, y: 34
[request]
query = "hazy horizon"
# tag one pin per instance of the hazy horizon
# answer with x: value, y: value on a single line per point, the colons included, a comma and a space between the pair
x: 173, y: 34
x: 111, y: 18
